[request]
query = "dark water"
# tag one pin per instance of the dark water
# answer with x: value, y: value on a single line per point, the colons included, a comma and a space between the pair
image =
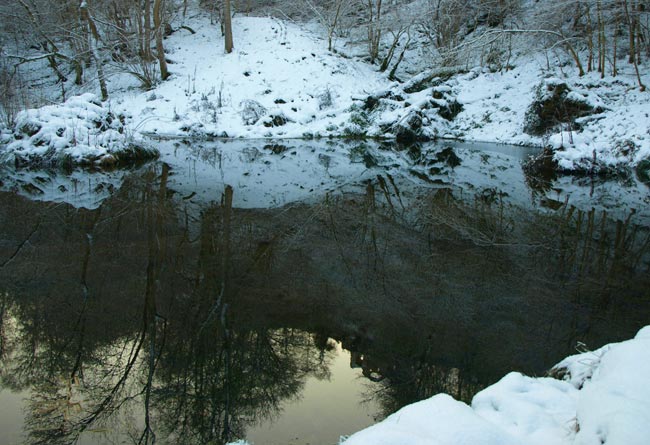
x: 176, y: 311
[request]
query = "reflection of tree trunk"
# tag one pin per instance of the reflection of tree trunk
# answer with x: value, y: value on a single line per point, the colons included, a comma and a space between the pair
x: 226, y: 433
x: 21, y: 245
x: 156, y: 252
x: 225, y: 286
x: 227, y: 215
x: 81, y: 322
x: 3, y: 341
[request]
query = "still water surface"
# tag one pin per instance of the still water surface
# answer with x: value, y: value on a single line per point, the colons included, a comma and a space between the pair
x: 295, y: 293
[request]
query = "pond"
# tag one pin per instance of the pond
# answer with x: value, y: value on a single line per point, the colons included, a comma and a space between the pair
x: 297, y: 291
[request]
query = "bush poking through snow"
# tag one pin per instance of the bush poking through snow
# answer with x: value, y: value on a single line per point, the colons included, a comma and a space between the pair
x: 276, y: 120
x: 252, y: 111
x: 358, y: 126
x: 80, y: 131
x: 643, y: 171
x: 325, y: 99
x: 555, y: 104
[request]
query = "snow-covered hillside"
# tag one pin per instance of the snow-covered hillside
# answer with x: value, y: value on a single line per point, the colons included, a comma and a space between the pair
x: 603, y: 398
x: 281, y: 82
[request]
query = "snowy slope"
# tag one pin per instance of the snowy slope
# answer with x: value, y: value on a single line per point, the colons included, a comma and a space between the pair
x: 494, y: 107
x: 283, y: 68
x: 604, y: 398
x: 281, y: 82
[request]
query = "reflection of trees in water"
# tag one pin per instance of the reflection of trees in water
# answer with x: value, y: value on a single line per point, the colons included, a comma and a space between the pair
x: 177, y: 371
x: 213, y: 387
x: 519, y: 286
x: 162, y: 322
x: 406, y: 386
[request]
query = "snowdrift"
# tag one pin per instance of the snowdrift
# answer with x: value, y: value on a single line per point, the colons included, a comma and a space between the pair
x: 599, y: 397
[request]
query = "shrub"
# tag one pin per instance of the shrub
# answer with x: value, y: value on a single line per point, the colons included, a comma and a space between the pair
x: 252, y: 111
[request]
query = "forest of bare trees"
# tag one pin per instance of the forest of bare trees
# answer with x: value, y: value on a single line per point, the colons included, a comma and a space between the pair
x: 81, y: 42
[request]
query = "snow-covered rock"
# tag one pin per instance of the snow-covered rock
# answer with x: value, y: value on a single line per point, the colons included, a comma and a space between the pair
x: 79, y: 131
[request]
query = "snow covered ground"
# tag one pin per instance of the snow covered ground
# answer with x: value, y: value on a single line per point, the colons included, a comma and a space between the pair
x: 495, y: 105
x: 602, y: 397
x: 281, y: 82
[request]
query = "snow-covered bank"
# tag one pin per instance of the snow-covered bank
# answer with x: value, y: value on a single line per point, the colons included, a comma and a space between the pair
x: 280, y: 82
x: 80, y: 131
x: 609, y: 127
x: 599, y: 397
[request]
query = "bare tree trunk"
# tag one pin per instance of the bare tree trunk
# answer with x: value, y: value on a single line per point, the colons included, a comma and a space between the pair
x: 631, y: 24
x: 590, y: 40
x: 94, y: 38
x: 146, y: 44
x: 614, y: 51
x: 601, y: 40
x: 391, y: 51
x: 332, y: 26
x: 158, y: 29
x: 391, y: 75
x: 227, y: 24
x: 374, y: 29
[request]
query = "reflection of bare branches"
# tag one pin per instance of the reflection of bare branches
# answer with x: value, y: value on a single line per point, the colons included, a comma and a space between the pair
x: 20, y: 246
x: 201, y: 338
x: 3, y: 325
x: 418, y: 383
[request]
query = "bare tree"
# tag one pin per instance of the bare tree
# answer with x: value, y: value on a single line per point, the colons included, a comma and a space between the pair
x: 227, y: 25
x: 94, y: 38
x: 158, y: 29
x: 328, y: 13
x: 630, y: 8
x: 374, y: 25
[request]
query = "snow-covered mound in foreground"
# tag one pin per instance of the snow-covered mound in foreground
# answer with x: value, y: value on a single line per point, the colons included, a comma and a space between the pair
x: 80, y: 131
x: 604, y: 398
